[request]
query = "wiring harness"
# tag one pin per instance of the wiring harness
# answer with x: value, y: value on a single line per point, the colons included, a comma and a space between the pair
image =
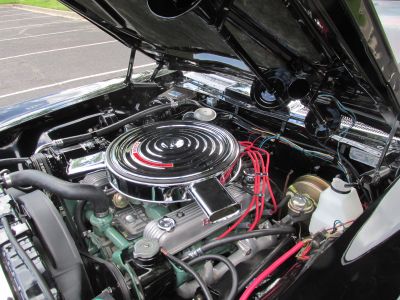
x: 260, y: 159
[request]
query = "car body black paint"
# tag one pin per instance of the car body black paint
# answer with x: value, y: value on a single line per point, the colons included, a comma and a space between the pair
x: 348, y: 24
x: 373, y: 275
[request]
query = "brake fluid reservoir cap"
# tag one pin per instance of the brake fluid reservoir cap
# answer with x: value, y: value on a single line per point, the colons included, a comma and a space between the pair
x: 146, y: 248
x: 339, y: 186
x: 205, y: 114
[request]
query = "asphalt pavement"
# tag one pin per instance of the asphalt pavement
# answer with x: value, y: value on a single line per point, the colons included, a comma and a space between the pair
x: 43, y: 52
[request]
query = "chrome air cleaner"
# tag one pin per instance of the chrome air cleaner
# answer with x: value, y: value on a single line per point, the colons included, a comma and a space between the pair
x: 166, y: 162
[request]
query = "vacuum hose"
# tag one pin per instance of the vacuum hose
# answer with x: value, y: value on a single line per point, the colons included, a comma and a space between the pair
x: 64, y: 189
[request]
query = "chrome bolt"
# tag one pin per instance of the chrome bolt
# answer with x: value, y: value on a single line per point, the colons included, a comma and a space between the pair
x: 129, y: 219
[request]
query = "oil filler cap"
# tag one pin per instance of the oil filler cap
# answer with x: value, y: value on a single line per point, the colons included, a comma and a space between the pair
x: 205, y: 114
x: 146, y: 248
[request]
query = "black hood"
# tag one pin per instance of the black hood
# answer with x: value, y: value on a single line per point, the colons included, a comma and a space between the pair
x: 336, y: 45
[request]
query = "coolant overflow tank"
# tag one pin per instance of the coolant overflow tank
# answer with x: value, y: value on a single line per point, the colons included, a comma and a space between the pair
x: 337, y: 203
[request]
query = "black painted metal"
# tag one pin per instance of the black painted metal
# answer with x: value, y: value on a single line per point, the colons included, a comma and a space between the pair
x: 244, y: 56
x: 261, y: 36
x: 373, y: 275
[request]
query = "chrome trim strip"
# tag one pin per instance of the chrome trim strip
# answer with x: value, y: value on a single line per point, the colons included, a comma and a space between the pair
x: 61, y: 100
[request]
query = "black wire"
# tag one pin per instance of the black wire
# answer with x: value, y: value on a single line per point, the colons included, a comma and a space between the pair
x: 322, y: 148
x: 250, y: 124
x: 65, y: 189
x: 235, y: 280
x: 352, y: 169
x: 281, y: 204
x: 133, y: 118
x: 119, y: 278
x: 242, y: 236
x: 78, y: 216
x: 278, y: 116
x: 304, y: 145
x: 271, y: 257
x: 238, y: 237
x: 284, y: 201
x: 277, y: 188
x: 286, y: 185
x: 189, y: 269
x: 5, y: 162
x: 26, y: 260
x: 70, y: 224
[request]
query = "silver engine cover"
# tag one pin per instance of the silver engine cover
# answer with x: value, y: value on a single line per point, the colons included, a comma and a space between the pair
x: 189, y: 224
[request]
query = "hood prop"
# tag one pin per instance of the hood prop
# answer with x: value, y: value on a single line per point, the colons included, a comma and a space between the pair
x: 130, y: 67
x: 160, y: 65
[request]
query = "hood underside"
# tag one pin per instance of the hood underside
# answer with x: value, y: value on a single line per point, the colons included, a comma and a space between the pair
x: 248, y: 37
x: 189, y: 36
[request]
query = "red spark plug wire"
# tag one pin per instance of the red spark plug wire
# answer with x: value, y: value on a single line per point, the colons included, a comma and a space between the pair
x: 268, y: 271
x: 261, y: 169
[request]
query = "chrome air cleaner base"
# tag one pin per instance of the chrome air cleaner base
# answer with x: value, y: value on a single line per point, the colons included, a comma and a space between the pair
x: 159, y: 162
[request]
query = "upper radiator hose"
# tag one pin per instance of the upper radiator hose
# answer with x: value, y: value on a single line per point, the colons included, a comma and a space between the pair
x: 65, y: 189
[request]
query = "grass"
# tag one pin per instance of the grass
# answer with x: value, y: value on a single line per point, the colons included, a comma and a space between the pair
x: 54, y: 4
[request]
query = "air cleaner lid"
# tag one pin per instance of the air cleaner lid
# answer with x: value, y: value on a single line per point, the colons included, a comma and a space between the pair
x: 171, y: 153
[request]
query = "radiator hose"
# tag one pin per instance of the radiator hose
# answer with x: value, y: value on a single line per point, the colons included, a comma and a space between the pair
x: 62, y: 188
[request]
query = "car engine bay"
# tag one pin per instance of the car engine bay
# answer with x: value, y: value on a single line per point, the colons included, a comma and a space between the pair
x: 192, y: 173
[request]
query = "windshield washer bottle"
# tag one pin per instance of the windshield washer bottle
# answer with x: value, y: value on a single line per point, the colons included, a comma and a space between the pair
x: 338, y: 202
